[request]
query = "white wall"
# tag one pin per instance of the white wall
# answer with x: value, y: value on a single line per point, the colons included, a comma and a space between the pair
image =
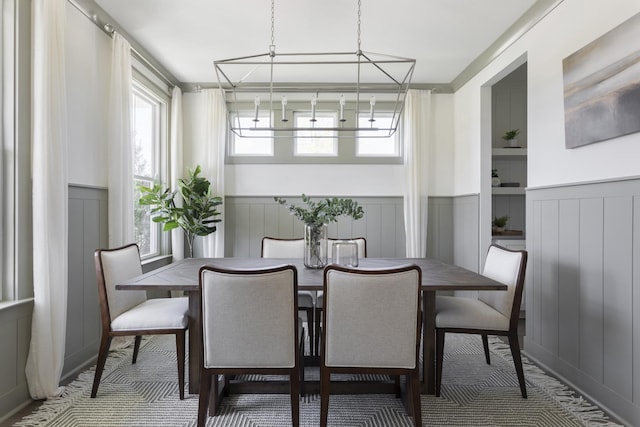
x: 572, y: 25
x: 88, y: 53
x: 324, y: 180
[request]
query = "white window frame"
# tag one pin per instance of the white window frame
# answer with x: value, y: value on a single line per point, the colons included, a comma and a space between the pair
x: 394, y: 139
x: 298, y: 136
x: 159, y: 240
x: 264, y: 136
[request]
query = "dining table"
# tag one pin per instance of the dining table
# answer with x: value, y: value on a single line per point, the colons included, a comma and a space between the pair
x: 437, y: 276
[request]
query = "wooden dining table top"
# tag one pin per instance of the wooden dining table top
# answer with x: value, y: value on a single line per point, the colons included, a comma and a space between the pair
x: 436, y: 275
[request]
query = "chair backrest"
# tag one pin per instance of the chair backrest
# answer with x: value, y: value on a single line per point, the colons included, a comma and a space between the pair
x: 112, y: 267
x: 249, y: 317
x: 282, y: 248
x: 360, y: 241
x: 508, y: 267
x: 371, y: 317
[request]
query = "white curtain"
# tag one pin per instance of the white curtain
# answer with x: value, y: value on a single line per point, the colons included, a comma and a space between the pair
x: 214, y: 115
x: 50, y: 201
x: 120, y: 146
x: 177, y: 235
x: 417, y: 114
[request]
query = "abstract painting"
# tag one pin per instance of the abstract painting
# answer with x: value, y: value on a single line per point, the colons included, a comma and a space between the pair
x: 602, y: 87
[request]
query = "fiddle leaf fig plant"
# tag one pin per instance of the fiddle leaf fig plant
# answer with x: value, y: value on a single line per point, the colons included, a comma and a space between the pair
x: 196, y: 215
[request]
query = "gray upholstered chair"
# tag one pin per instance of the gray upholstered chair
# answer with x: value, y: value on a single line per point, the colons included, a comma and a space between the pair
x: 129, y: 313
x: 361, y: 242
x: 492, y: 313
x: 292, y: 248
x: 371, y: 325
x: 249, y: 325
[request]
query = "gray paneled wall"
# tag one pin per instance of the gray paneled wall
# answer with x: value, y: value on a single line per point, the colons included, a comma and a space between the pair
x: 249, y: 219
x: 583, y: 289
x: 15, y: 335
x: 87, y: 232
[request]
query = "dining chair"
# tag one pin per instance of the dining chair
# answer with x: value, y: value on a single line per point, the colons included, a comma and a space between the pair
x: 130, y: 313
x: 361, y: 243
x: 371, y: 325
x: 492, y: 313
x: 293, y: 248
x: 249, y: 325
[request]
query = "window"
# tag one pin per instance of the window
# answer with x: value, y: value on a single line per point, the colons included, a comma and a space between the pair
x: 375, y: 143
x: 256, y: 142
x: 149, y: 118
x: 316, y: 142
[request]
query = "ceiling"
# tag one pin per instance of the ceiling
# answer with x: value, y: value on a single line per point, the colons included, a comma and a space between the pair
x: 186, y: 36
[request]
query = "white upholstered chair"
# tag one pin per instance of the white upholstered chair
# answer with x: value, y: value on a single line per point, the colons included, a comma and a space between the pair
x: 249, y: 325
x: 129, y: 313
x: 292, y: 248
x: 361, y: 242
x: 371, y: 325
x: 492, y: 313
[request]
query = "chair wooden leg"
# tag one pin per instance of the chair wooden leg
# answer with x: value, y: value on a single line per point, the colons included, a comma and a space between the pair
x: 317, y: 323
x: 514, y: 344
x: 310, y: 326
x: 485, y: 345
x: 301, y: 359
x: 396, y: 383
x: 414, y: 390
x: 294, y: 390
x: 439, y: 357
x: 214, y: 394
x: 325, y: 385
x: 203, y: 400
x: 105, y: 343
x: 136, y: 348
x: 180, y: 353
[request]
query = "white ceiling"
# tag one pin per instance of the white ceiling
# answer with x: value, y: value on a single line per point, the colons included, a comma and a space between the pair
x: 186, y: 36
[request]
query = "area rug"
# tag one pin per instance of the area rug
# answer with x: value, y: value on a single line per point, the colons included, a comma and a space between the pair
x: 473, y: 394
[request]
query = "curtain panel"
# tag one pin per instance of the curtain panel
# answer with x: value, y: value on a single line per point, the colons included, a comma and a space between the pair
x: 416, y: 137
x: 50, y: 201
x: 176, y: 166
x: 214, y: 119
x: 120, y: 150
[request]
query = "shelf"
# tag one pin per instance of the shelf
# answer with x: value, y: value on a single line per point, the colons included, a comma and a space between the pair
x: 509, y: 153
x: 507, y: 191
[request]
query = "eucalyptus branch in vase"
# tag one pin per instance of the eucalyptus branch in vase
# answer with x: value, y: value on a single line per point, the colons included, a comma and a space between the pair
x: 315, y: 216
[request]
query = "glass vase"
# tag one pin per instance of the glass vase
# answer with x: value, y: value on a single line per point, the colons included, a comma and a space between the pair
x: 315, y: 246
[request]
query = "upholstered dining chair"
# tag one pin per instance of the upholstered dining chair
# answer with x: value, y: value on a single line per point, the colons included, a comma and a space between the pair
x: 249, y: 325
x: 371, y: 325
x: 361, y: 243
x: 130, y: 313
x: 273, y: 247
x: 492, y: 313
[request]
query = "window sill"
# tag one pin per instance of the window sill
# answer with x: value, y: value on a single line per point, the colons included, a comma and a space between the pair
x: 5, y: 305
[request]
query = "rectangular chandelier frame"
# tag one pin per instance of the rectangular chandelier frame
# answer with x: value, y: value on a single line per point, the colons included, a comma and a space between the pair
x: 262, y: 91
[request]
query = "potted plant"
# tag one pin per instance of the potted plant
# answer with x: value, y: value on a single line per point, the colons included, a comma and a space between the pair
x: 510, y: 137
x: 197, y: 213
x: 316, y: 216
x: 499, y: 223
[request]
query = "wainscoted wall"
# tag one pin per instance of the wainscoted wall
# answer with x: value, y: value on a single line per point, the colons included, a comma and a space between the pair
x: 583, y: 289
x: 249, y: 219
x: 88, y: 231
x: 15, y: 334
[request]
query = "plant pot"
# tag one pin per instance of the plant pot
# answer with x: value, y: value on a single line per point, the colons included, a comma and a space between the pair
x: 513, y: 143
x: 315, y: 246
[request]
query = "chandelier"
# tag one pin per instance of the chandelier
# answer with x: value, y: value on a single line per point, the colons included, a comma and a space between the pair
x: 271, y: 94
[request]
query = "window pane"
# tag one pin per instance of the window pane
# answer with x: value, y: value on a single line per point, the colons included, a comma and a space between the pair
x: 316, y: 142
x: 146, y: 166
x: 375, y: 143
x: 143, y: 136
x: 256, y: 142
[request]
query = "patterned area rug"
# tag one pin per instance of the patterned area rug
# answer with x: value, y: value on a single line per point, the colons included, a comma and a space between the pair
x: 473, y: 394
